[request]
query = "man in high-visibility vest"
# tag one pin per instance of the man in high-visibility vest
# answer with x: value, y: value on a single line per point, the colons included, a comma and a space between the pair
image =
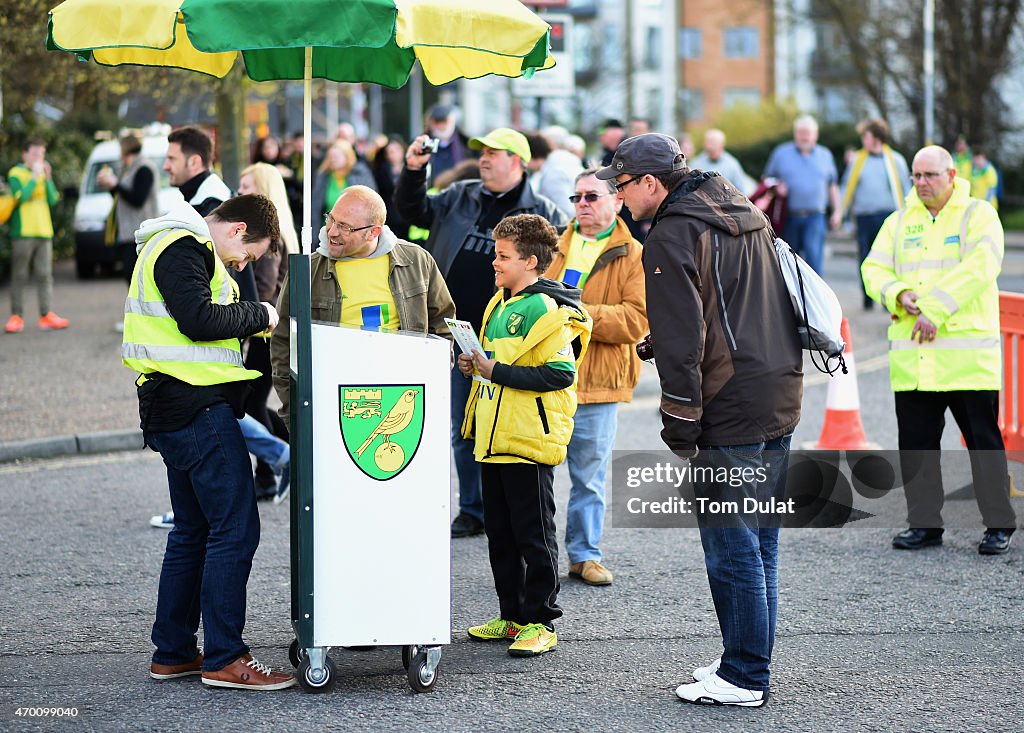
x: 934, y: 267
x: 182, y: 328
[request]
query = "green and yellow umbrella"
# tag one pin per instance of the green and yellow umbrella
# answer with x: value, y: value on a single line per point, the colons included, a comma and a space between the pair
x: 375, y: 41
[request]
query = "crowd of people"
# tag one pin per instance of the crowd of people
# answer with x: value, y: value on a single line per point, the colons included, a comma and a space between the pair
x: 561, y: 264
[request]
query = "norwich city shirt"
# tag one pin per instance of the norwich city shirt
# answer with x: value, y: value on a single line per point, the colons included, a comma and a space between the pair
x: 366, y: 299
x: 583, y: 253
x: 509, y: 323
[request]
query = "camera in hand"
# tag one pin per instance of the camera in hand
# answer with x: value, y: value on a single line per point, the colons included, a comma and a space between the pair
x: 430, y: 146
x: 645, y: 349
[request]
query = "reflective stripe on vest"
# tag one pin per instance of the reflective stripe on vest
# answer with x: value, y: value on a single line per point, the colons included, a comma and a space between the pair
x: 152, y: 339
x: 955, y: 344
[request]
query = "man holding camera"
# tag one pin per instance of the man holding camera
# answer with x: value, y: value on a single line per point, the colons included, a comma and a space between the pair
x: 460, y: 220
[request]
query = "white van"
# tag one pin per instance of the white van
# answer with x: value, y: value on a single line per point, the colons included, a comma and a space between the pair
x: 94, y: 203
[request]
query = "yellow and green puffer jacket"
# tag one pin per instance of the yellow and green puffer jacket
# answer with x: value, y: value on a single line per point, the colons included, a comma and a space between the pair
x: 522, y: 426
x: 952, y: 263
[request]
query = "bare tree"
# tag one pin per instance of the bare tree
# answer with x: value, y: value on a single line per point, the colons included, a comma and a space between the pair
x: 884, y: 44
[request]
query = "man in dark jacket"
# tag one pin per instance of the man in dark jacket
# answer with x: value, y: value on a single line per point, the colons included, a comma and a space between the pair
x: 729, y: 359
x: 460, y: 220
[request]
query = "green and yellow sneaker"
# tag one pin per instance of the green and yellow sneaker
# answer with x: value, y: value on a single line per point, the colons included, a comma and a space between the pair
x: 533, y: 640
x: 496, y: 628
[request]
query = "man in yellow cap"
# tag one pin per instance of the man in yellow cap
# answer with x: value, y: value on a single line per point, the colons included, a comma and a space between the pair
x: 460, y: 220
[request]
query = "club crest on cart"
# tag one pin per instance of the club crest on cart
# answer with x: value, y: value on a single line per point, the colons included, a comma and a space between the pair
x: 381, y: 426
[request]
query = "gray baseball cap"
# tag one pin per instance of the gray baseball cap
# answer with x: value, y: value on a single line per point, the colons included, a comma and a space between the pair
x: 651, y: 152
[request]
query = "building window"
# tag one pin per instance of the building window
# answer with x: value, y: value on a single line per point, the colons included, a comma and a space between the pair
x: 652, y: 48
x: 731, y: 96
x: 691, y: 102
x: 691, y: 43
x: 740, y: 42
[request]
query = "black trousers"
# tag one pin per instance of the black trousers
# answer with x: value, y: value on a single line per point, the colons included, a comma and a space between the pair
x: 519, y: 518
x: 921, y: 417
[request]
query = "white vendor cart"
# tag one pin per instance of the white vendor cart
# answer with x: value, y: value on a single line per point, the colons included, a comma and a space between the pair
x: 370, y: 537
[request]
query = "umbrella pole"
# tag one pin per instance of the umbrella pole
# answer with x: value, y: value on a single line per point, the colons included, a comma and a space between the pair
x: 307, y: 153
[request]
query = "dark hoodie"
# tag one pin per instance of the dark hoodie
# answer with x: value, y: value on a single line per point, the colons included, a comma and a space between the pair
x: 541, y: 378
x: 723, y: 328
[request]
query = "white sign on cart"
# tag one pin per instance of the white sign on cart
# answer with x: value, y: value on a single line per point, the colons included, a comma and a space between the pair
x: 381, y: 488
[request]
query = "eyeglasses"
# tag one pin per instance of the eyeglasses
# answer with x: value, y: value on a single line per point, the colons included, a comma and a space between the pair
x: 620, y: 186
x: 931, y: 175
x: 330, y: 222
x: 588, y: 197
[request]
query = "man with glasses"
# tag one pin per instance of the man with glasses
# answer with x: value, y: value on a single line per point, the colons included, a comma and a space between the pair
x: 729, y: 358
x: 363, y: 276
x: 460, y: 220
x: 934, y: 266
x: 597, y: 254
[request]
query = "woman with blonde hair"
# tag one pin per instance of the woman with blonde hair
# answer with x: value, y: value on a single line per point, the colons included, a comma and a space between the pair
x: 266, y: 179
x: 270, y: 271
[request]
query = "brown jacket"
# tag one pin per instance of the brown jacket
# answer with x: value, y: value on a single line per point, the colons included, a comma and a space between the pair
x: 723, y: 328
x: 615, y: 298
x: 421, y: 298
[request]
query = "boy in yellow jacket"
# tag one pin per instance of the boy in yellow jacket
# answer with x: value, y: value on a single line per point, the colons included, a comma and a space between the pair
x: 535, y: 332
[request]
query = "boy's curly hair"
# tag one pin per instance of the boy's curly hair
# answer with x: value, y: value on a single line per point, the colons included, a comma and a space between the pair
x: 532, y: 235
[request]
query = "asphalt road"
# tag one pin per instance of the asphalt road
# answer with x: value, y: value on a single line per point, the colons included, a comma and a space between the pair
x: 869, y: 639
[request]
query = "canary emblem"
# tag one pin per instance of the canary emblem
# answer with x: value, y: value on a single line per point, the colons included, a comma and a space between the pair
x: 381, y: 426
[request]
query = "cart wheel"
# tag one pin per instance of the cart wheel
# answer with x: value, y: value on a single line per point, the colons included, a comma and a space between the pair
x: 420, y: 678
x: 408, y: 652
x: 296, y: 653
x: 309, y: 684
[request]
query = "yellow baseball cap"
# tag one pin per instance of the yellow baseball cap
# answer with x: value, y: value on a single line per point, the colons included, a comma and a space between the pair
x: 504, y: 138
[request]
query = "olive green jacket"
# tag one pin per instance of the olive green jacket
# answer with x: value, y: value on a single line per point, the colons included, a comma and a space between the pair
x: 421, y: 298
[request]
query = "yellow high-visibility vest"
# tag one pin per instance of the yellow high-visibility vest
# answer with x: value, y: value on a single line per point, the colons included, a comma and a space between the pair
x: 152, y: 340
x: 951, y: 262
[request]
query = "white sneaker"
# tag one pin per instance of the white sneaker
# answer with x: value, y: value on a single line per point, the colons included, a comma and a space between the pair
x: 162, y: 521
x: 716, y: 691
x: 702, y: 673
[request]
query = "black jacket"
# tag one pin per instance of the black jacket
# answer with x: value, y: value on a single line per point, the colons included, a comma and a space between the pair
x: 452, y: 214
x: 723, y: 328
x: 183, y: 273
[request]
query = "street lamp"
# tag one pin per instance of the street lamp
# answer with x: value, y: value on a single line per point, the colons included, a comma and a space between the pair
x: 929, y: 71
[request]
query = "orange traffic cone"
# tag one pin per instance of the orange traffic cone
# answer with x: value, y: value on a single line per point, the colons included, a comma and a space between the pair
x: 843, y: 429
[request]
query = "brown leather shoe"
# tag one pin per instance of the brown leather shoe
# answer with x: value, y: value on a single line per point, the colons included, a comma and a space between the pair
x: 591, y: 572
x: 246, y: 673
x: 172, y: 671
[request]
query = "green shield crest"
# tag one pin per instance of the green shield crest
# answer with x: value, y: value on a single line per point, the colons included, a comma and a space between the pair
x: 381, y: 426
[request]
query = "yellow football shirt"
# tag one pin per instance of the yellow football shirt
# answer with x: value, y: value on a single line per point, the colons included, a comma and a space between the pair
x: 366, y: 299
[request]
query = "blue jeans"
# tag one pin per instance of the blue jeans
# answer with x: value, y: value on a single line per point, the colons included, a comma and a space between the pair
x: 263, y: 444
x: 210, y: 549
x: 471, y: 499
x: 590, y: 449
x: 743, y: 561
x: 806, y: 235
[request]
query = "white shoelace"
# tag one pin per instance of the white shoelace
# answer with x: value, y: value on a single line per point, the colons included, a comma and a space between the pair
x: 258, y: 666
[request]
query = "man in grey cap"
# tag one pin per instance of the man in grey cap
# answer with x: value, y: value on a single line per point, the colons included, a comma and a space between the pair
x: 729, y: 360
